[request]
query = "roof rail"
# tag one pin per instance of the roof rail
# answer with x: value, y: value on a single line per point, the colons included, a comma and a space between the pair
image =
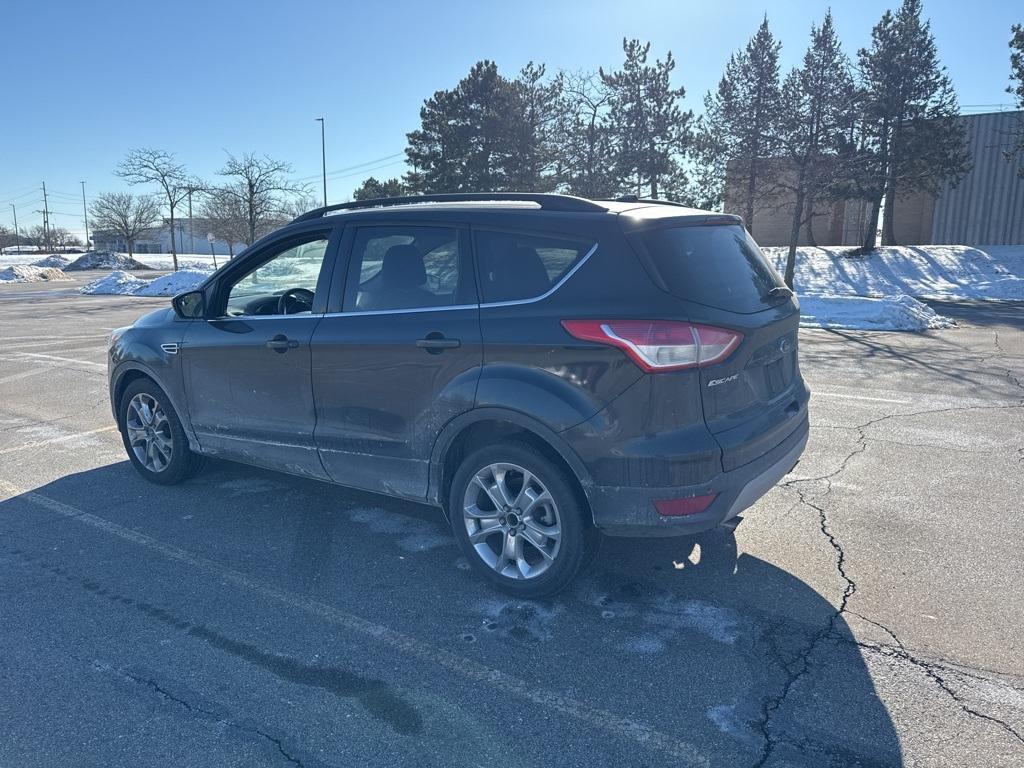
x: 647, y: 200
x: 548, y: 202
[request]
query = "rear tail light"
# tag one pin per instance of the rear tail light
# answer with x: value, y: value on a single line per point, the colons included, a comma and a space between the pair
x: 683, y: 507
x: 660, y: 345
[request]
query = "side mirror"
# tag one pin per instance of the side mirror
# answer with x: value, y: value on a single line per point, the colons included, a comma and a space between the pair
x: 189, y: 306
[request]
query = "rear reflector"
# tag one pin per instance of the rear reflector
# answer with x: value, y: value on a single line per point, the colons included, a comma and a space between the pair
x: 660, y: 345
x: 681, y: 507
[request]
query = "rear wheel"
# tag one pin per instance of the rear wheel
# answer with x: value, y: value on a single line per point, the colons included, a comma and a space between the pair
x: 519, y: 520
x: 153, y: 436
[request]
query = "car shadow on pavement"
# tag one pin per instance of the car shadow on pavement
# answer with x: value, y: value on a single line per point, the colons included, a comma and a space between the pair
x: 723, y: 649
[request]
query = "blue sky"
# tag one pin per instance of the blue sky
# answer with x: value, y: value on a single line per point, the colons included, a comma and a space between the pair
x: 90, y: 80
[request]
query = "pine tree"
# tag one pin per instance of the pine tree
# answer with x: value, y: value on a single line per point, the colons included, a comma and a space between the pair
x: 1017, y: 76
x: 648, y: 127
x: 467, y: 140
x: 373, y: 188
x: 534, y: 120
x: 816, y: 117
x: 741, y: 116
x: 912, y: 139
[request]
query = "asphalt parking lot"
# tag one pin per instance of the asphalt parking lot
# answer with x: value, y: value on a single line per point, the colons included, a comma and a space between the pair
x: 868, y: 611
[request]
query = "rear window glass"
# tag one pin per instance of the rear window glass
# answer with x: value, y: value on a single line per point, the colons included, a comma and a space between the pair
x: 515, y: 266
x: 719, y: 266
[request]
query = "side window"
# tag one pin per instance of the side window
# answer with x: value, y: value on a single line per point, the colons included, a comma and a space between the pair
x: 404, y: 268
x: 283, y: 284
x: 515, y: 266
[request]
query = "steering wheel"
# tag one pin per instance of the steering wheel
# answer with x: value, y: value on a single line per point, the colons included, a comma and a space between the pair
x: 292, y: 298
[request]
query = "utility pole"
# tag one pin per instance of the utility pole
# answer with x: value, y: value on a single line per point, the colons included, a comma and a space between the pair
x: 323, y: 154
x: 46, y: 218
x: 85, y: 216
x: 191, y: 233
x: 17, y: 240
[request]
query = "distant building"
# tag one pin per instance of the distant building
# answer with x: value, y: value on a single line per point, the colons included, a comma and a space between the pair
x: 158, y: 240
x: 985, y: 208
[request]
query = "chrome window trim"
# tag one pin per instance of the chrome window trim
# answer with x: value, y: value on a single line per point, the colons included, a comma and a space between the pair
x: 550, y: 290
x: 486, y: 305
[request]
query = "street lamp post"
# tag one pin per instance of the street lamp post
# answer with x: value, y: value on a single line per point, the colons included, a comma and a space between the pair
x: 85, y: 215
x: 17, y: 240
x: 323, y: 155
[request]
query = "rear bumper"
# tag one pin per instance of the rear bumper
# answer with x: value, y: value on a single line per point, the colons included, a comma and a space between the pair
x: 629, y: 511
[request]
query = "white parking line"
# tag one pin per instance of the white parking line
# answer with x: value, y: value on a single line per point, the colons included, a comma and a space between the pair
x: 43, y: 357
x: 61, y: 439
x: 623, y: 727
x: 823, y: 393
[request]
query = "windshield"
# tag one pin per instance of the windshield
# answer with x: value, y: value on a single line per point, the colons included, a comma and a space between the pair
x: 719, y: 266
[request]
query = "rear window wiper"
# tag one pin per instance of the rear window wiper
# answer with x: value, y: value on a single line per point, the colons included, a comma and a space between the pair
x: 779, y: 292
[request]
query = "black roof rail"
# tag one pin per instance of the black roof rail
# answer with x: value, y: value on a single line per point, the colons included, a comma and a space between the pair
x: 547, y: 202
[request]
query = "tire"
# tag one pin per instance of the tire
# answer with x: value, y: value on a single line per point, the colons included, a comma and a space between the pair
x: 521, y: 555
x: 159, y: 449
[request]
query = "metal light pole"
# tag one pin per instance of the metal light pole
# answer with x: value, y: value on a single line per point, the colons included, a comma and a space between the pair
x: 323, y: 154
x: 17, y: 240
x: 85, y: 215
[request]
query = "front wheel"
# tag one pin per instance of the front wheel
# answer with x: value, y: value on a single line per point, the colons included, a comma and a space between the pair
x: 153, y: 436
x: 519, y: 520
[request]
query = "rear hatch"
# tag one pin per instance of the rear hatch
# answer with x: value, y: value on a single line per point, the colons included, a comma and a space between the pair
x: 755, y: 398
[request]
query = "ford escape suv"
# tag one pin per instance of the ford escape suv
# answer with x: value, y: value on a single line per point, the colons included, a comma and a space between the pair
x: 542, y: 367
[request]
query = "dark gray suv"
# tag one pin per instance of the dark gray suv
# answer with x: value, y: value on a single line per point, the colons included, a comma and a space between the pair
x: 542, y: 367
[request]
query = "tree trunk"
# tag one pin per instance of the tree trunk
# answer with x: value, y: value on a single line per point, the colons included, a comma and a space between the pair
x: 871, y: 231
x: 174, y: 251
x: 811, y: 241
x: 130, y: 244
x: 889, y: 223
x: 794, y: 238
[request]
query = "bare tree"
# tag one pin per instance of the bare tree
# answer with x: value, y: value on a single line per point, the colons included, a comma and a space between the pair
x: 124, y: 213
x: 222, y: 209
x: 302, y: 202
x: 260, y: 184
x: 155, y: 166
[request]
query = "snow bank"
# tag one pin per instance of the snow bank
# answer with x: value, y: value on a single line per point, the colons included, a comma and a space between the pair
x: 174, y: 283
x: 54, y: 260
x: 945, y: 272
x: 105, y: 260
x: 891, y: 313
x: 120, y: 283
x: 26, y: 273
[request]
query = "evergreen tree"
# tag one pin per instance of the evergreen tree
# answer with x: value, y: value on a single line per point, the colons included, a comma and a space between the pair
x: 649, y: 128
x: 912, y: 139
x: 741, y: 116
x: 469, y: 136
x: 373, y: 188
x: 1017, y: 76
x: 585, y: 154
x: 816, y: 117
x: 534, y: 120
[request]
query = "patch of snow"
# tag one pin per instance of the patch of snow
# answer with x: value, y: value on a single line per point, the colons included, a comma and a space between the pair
x: 645, y: 645
x: 174, y: 283
x: 120, y: 283
x: 892, y: 313
x: 105, y: 260
x: 53, y: 260
x: 25, y: 273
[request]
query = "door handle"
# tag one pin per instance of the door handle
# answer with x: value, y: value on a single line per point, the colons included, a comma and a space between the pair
x: 282, y: 343
x: 436, y: 343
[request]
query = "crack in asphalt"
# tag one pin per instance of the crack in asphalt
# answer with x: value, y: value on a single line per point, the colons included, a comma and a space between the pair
x: 799, y: 665
x: 196, y: 709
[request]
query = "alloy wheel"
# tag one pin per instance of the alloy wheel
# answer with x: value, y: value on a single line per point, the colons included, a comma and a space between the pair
x: 149, y: 432
x: 512, y: 521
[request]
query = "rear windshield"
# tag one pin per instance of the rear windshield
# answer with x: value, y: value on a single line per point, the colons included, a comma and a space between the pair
x: 719, y: 266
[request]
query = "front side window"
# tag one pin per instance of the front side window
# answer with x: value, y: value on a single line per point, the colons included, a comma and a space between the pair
x: 405, y: 268
x: 285, y: 284
x: 515, y: 266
